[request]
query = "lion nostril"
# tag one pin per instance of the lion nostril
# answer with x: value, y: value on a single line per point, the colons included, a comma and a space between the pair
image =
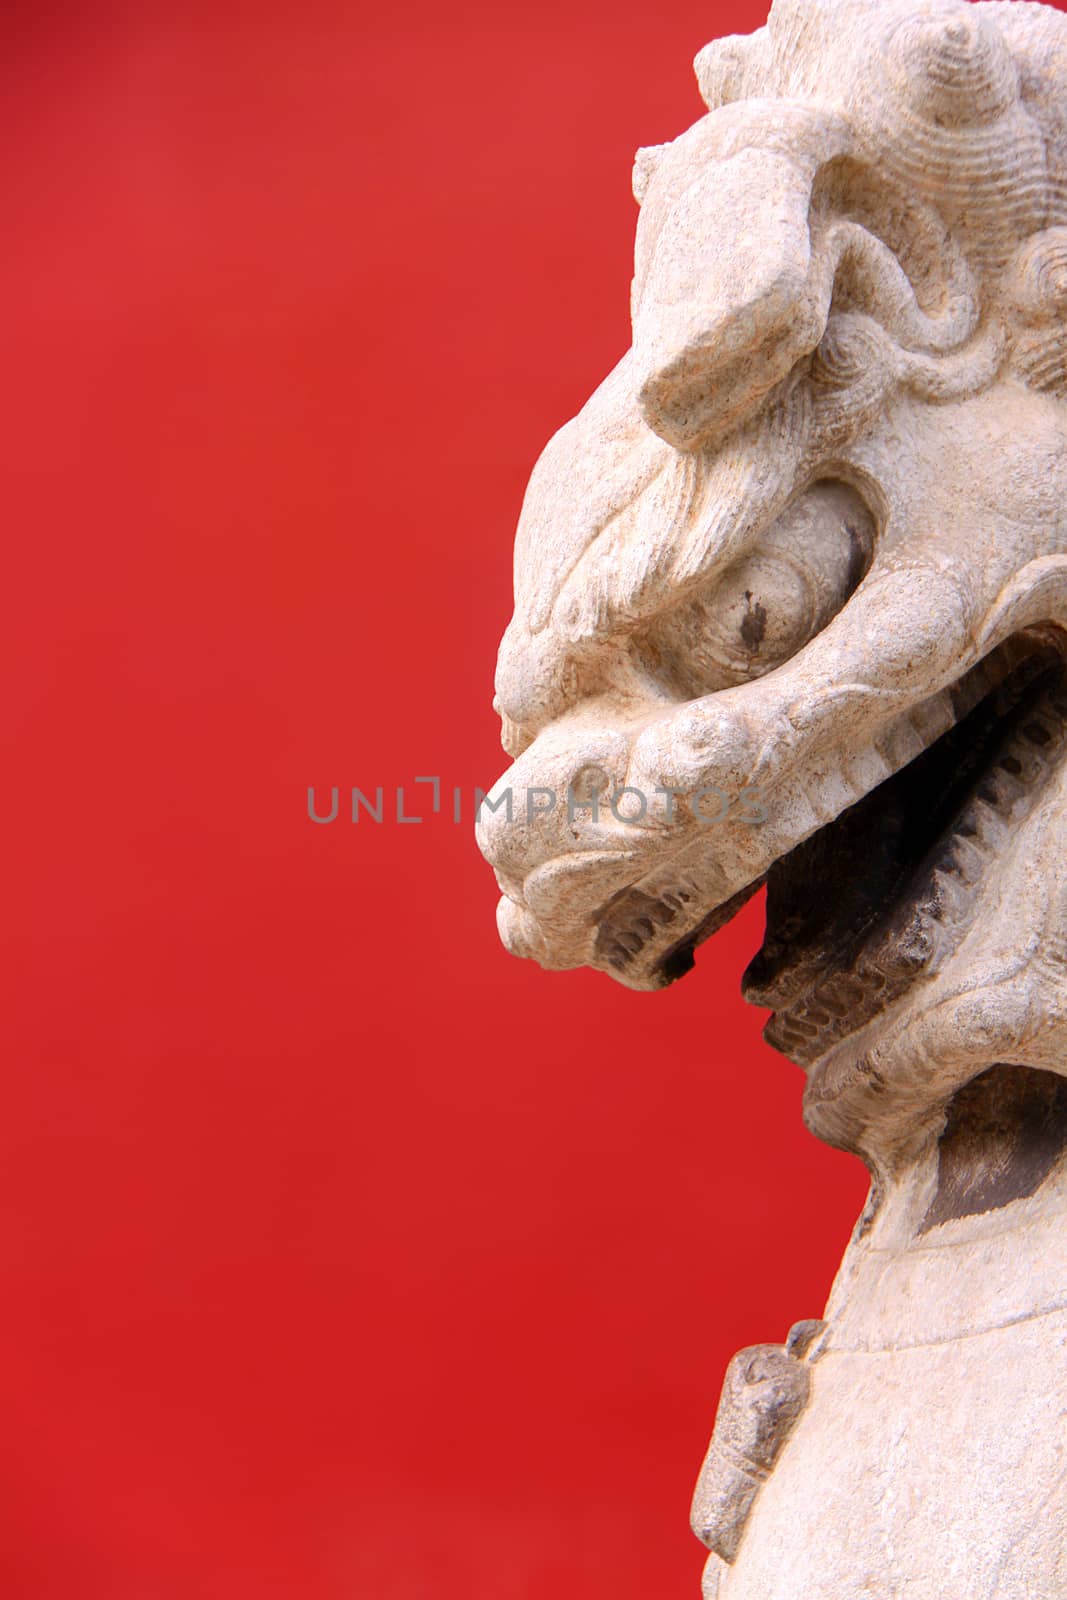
x: 589, y: 782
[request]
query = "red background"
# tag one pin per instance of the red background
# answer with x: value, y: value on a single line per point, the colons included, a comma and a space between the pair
x: 341, y: 1255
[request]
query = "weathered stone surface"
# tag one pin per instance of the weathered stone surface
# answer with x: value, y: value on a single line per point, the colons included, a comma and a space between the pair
x: 790, y: 608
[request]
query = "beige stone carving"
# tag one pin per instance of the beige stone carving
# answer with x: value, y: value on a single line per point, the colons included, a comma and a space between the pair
x: 790, y: 608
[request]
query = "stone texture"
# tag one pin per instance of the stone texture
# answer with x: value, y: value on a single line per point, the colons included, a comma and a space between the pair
x: 790, y: 601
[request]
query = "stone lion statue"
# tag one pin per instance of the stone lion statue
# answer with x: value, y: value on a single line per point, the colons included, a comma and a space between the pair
x: 791, y: 610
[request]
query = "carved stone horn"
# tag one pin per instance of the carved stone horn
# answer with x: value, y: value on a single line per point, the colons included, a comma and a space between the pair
x: 723, y: 311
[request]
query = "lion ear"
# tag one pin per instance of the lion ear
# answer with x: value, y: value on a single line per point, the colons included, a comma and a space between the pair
x: 645, y: 163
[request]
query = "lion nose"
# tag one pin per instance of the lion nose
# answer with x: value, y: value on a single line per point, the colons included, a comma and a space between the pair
x: 727, y: 298
x: 555, y: 799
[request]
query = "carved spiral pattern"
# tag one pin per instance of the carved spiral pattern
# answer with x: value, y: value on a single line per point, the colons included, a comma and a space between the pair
x: 1039, y: 288
x: 850, y: 347
x: 952, y: 68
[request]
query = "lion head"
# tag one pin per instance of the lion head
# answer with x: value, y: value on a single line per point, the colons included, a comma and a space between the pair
x: 791, y: 589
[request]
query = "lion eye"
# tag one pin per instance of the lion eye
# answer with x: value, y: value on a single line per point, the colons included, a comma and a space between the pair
x: 771, y: 603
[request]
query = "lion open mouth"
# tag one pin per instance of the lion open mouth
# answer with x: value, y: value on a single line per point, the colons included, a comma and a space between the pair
x: 879, y: 896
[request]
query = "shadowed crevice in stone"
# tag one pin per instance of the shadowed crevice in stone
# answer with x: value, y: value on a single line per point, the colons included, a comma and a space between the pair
x: 1004, y: 1133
